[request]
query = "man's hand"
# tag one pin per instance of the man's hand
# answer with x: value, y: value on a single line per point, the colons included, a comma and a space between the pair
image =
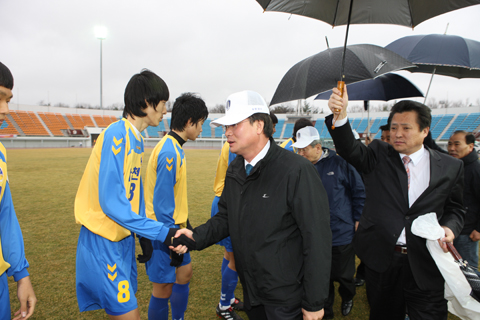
x: 315, y: 315
x: 182, y: 241
x: 449, y: 236
x: 27, y: 299
x: 147, y: 250
x: 337, y: 104
x: 356, y: 225
x: 475, y: 236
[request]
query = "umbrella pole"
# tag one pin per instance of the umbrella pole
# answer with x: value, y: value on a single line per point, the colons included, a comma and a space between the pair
x: 428, y: 89
x: 341, y: 83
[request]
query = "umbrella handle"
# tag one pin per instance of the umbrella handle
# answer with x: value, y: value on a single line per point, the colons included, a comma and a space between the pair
x: 453, y: 251
x: 341, y: 87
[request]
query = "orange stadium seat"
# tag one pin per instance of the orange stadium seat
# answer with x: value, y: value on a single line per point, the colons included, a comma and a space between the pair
x: 55, y: 122
x: 10, y: 129
x: 29, y: 123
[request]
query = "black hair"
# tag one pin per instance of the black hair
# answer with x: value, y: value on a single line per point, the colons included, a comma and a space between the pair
x: 267, y: 122
x: 6, y: 77
x: 188, y: 106
x: 299, y: 124
x: 469, y: 137
x: 144, y: 87
x: 424, y: 116
x: 274, y: 117
x: 385, y: 127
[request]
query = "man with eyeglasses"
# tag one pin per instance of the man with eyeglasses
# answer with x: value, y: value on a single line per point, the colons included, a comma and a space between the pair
x: 275, y: 210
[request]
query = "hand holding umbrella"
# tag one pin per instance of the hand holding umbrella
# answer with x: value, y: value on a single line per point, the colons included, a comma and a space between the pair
x: 338, y: 103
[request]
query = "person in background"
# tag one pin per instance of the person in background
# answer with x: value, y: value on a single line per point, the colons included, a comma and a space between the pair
x: 299, y: 124
x: 461, y: 146
x: 12, y: 250
x: 407, y: 180
x: 346, y: 197
x: 166, y: 201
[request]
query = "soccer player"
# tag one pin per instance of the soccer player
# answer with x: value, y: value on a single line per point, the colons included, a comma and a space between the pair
x: 166, y: 201
x: 110, y: 205
x: 12, y: 252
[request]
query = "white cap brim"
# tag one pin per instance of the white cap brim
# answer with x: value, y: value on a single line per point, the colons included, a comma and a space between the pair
x: 230, y: 119
x: 302, y: 143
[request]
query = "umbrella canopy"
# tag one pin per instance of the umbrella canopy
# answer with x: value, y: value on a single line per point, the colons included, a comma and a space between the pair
x: 408, y: 13
x: 384, y: 88
x: 321, y: 71
x: 447, y: 55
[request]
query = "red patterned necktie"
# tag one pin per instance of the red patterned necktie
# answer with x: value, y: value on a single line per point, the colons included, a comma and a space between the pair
x: 406, y: 161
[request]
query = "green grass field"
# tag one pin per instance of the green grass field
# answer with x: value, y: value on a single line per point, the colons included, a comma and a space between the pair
x: 44, y: 183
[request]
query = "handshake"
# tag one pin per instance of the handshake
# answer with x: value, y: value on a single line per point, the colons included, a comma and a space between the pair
x: 170, y: 241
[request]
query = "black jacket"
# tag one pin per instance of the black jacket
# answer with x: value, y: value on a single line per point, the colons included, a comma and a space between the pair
x: 387, y: 212
x: 471, y: 192
x: 278, y: 220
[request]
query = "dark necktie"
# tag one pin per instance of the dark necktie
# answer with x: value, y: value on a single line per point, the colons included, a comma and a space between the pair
x: 406, y: 161
x: 248, y: 169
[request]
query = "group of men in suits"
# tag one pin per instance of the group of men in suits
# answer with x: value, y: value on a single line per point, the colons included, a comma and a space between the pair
x: 407, y: 180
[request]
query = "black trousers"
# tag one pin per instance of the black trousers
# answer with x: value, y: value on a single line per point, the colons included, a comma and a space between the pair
x: 275, y: 313
x: 343, y: 270
x: 389, y: 294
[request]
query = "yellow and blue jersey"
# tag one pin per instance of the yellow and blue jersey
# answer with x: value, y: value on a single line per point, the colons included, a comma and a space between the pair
x: 12, y: 253
x: 166, y: 183
x: 287, y: 144
x: 109, y: 200
x: 226, y: 157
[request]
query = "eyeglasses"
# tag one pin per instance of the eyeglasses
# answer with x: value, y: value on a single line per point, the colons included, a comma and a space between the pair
x: 233, y: 126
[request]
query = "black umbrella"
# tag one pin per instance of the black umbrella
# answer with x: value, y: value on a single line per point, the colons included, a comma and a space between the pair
x: 443, y: 54
x: 469, y: 273
x: 345, y: 12
x: 319, y: 72
x: 385, y: 87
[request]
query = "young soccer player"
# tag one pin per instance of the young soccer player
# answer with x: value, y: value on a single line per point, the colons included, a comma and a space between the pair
x: 166, y: 201
x: 110, y: 205
x: 12, y: 253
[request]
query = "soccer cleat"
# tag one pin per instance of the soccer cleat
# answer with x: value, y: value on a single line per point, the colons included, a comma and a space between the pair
x: 238, y: 305
x: 228, y: 314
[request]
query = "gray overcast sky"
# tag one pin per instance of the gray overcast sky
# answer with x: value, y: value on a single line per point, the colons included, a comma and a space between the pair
x: 213, y: 47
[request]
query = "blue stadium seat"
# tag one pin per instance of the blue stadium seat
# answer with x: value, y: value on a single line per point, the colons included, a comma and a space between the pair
x: 218, y: 132
x: 279, y: 128
x: 288, y: 130
x: 207, y: 130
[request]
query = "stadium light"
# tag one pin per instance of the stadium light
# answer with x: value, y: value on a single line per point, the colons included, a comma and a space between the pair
x: 101, y: 34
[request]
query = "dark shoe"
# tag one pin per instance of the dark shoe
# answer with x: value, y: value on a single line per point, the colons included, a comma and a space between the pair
x: 228, y: 314
x: 359, y: 282
x: 347, y: 307
x: 238, y: 305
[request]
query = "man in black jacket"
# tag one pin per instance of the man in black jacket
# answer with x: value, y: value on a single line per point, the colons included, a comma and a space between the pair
x: 460, y: 146
x: 403, y: 180
x: 275, y: 210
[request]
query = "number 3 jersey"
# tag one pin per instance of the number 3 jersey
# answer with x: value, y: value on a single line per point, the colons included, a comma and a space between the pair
x: 109, y: 200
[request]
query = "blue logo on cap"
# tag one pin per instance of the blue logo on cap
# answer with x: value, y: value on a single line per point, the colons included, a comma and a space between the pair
x: 227, y: 107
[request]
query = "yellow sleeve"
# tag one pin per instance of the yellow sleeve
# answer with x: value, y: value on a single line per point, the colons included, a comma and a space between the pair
x: 222, y: 166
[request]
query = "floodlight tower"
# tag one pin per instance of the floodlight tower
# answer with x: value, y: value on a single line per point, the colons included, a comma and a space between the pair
x: 101, y: 34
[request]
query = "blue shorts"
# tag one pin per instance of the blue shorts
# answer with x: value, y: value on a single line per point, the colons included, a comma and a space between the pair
x: 158, y: 267
x: 5, y: 312
x: 227, y: 243
x: 106, y: 273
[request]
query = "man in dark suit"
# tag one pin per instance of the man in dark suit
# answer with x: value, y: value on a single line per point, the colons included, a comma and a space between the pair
x: 403, y: 180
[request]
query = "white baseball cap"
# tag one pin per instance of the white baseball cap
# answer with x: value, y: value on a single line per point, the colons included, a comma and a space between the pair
x: 240, y: 106
x: 305, y: 137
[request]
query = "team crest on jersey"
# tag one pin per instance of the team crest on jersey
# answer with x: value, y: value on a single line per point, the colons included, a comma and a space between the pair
x: 1, y: 175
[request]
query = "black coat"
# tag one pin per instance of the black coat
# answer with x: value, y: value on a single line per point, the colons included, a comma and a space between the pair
x: 471, y: 192
x: 278, y: 220
x: 387, y: 212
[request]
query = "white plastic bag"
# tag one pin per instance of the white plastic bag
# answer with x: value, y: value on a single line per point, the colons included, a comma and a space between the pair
x: 457, y: 288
